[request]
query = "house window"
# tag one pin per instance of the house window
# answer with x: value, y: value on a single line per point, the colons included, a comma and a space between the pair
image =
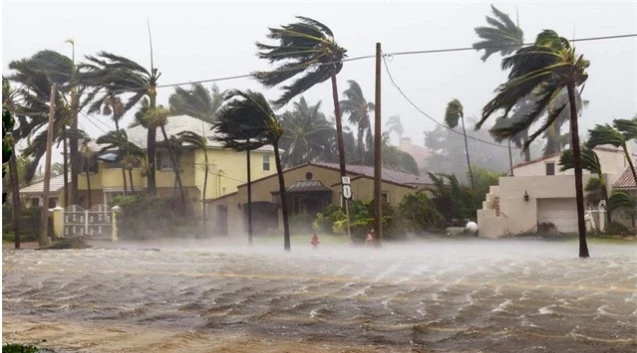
x: 91, y: 165
x: 550, y: 168
x: 266, y: 162
x: 163, y: 161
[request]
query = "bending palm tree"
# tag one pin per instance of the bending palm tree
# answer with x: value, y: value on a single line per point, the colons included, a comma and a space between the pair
x: 128, y: 152
x: 548, y: 66
x: 306, y: 134
x: 358, y: 109
x: 247, y: 122
x: 113, y: 106
x: 305, y: 48
x: 622, y: 199
x: 197, y: 102
x: 117, y: 76
x: 607, y: 135
x: 200, y: 142
x: 394, y: 124
x: 454, y: 113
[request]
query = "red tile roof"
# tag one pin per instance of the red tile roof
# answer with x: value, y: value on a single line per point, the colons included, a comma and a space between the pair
x: 626, y: 180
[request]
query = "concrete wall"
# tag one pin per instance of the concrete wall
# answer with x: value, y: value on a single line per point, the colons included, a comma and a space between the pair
x: 516, y: 214
x: 612, y: 162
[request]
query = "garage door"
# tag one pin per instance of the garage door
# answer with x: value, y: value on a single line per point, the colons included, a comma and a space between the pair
x: 561, y: 212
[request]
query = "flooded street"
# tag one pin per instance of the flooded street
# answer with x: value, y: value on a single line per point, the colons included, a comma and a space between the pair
x: 437, y: 296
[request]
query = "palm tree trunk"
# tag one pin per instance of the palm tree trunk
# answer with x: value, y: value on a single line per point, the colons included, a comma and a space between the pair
x: 527, y: 152
x: 66, y: 166
x: 339, y: 126
x: 75, y: 158
x: 630, y: 161
x: 124, y: 177
x: 15, y: 190
x: 204, y: 217
x: 510, y: 160
x: 130, y: 176
x: 151, y: 148
x: 284, y: 201
x: 466, y: 148
x: 577, y: 163
x: 88, y: 185
x: 175, y: 168
x: 605, y: 196
x: 249, y: 197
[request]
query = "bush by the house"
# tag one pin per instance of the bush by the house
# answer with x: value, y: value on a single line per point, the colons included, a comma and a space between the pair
x: 420, y: 213
x: 30, y: 218
x: 616, y: 228
x: 144, y: 217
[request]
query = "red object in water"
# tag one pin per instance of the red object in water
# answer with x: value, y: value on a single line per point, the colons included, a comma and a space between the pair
x: 315, y: 242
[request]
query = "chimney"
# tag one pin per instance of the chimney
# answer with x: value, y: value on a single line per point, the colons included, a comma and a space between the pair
x: 405, y: 144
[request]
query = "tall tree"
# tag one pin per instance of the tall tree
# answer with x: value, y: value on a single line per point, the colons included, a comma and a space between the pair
x: 127, y: 152
x: 358, y: 109
x: 618, y: 135
x: 503, y: 36
x: 114, y: 107
x: 305, y: 48
x: 247, y: 122
x: 590, y: 162
x: 306, y: 134
x: 197, y: 102
x: 549, y: 65
x: 453, y: 113
x: 394, y: 125
x: 112, y: 75
x: 199, y: 142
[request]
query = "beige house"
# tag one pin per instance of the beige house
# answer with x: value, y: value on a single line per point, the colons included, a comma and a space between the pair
x: 539, y: 193
x: 310, y: 189
x: 33, y: 195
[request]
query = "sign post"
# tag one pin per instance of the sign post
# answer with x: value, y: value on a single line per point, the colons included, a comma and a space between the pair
x: 347, y: 195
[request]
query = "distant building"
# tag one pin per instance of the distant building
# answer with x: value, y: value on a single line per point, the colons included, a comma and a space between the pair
x: 420, y: 153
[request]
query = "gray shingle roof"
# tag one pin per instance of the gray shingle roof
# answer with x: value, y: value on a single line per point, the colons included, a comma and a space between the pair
x: 176, y: 124
x: 386, y: 174
x: 307, y: 186
x: 56, y: 184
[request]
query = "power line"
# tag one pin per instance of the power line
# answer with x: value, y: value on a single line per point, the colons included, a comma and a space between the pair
x: 450, y: 50
x: 391, y: 78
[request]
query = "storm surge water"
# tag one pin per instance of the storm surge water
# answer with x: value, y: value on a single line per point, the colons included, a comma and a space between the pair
x: 433, y: 296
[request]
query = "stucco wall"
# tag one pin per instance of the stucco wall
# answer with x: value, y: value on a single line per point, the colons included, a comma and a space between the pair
x: 516, y: 214
x: 611, y: 162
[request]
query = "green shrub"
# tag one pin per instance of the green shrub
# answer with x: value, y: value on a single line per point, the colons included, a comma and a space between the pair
x: 144, y: 217
x: 324, y: 221
x: 30, y: 218
x: 615, y: 228
x: 18, y: 348
x: 420, y: 213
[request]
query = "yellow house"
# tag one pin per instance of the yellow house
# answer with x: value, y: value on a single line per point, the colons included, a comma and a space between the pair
x: 310, y: 189
x: 226, y: 168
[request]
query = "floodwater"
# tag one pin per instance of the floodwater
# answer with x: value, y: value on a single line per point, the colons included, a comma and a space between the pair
x: 435, y: 296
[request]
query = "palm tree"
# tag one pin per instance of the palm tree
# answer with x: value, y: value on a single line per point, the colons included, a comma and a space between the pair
x: 623, y: 131
x: 306, y: 48
x: 453, y: 113
x: 590, y: 162
x: 87, y: 153
x: 247, y: 122
x: 394, y: 125
x: 158, y: 117
x: 306, y: 134
x: 127, y: 152
x: 197, y: 102
x: 622, y: 199
x: 503, y: 37
x: 117, y: 76
x: 35, y: 76
x: 547, y: 66
x: 358, y: 109
x: 200, y: 142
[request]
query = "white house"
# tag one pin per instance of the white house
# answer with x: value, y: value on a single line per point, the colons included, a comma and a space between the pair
x: 539, y: 193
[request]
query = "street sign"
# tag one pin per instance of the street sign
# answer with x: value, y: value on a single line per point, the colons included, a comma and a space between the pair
x: 345, y: 180
x: 347, y: 191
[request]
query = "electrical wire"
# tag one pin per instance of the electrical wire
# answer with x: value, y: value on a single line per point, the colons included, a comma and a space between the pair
x: 402, y: 93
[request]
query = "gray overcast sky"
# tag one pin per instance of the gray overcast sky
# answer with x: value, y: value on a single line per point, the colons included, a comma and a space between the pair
x: 204, y: 40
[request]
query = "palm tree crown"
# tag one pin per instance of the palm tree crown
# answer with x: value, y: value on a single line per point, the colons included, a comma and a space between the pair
x: 358, y: 109
x: 197, y: 102
x: 501, y: 36
x: 305, y: 47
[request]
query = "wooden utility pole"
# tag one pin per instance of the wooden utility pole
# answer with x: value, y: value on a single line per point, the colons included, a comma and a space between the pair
x: 249, y: 197
x: 378, y: 202
x: 44, y: 221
